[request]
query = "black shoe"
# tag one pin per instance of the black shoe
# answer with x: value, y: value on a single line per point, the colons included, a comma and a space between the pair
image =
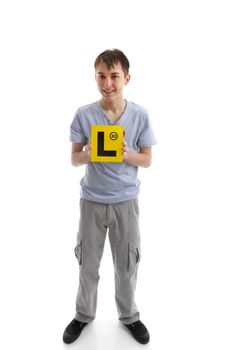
x: 73, y: 331
x: 139, y: 332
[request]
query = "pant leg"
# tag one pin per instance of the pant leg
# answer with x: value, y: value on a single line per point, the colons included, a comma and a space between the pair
x: 89, y: 250
x: 125, y: 245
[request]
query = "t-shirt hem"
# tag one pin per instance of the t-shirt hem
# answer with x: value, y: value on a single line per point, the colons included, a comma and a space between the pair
x: 110, y: 201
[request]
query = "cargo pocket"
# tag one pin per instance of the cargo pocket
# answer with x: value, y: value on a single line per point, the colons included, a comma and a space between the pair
x: 134, y: 257
x: 78, y: 252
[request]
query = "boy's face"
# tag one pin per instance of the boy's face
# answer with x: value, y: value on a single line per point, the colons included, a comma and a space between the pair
x: 111, y: 81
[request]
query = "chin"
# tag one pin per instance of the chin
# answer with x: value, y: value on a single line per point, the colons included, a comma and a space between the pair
x: 108, y: 98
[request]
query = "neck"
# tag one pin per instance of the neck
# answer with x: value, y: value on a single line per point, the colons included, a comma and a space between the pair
x: 114, y: 106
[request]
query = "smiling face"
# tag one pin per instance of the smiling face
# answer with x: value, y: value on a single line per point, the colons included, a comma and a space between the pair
x: 110, y: 81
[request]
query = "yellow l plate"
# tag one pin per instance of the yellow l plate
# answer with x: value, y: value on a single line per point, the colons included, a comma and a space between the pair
x: 106, y: 143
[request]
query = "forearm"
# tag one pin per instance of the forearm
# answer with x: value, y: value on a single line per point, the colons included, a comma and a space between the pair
x: 81, y: 155
x: 80, y: 158
x: 137, y: 159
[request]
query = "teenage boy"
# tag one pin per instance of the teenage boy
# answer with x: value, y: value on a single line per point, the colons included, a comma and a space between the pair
x: 109, y: 196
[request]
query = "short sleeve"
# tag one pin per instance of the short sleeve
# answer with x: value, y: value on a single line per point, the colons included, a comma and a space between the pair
x: 76, y: 131
x: 146, y: 136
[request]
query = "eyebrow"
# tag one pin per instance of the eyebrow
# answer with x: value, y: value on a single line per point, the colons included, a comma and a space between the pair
x: 110, y: 73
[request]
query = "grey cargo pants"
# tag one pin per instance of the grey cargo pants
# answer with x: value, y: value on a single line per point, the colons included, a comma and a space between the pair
x: 121, y: 221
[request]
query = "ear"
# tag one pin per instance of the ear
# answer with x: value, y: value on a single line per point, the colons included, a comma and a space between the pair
x: 127, y: 79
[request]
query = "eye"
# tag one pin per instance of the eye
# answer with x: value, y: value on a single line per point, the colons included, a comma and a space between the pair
x: 101, y: 76
x: 115, y: 76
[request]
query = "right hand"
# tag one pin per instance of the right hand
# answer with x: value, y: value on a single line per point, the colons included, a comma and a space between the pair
x: 88, y: 147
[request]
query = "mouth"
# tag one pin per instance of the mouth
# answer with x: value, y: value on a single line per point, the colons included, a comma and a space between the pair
x: 108, y: 93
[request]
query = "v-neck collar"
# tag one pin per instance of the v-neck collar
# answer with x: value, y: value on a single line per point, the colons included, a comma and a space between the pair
x: 109, y: 121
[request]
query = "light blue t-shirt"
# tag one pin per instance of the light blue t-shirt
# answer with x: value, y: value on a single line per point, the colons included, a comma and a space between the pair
x: 112, y: 182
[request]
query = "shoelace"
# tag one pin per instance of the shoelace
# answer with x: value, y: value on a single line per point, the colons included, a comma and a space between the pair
x: 139, y: 324
x: 75, y: 322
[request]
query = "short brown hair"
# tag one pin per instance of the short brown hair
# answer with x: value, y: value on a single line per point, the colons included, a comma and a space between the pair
x: 112, y: 57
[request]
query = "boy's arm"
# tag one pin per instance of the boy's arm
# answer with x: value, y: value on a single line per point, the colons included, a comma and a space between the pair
x: 142, y: 159
x: 78, y: 155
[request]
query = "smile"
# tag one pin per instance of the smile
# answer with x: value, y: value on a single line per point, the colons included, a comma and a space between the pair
x: 108, y: 92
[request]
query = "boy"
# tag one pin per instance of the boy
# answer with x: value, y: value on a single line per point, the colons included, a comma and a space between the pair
x: 109, y: 196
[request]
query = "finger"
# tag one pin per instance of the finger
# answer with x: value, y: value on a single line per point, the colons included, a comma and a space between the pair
x: 89, y: 144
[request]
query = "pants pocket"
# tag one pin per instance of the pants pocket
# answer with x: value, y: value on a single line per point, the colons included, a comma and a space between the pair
x: 78, y: 252
x: 134, y: 256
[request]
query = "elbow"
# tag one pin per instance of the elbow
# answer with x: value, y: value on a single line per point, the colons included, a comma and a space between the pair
x: 147, y: 165
x: 148, y: 162
x: 74, y: 161
x: 75, y: 164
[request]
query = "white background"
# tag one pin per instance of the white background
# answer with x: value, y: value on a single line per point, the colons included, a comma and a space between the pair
x: 177, y: 55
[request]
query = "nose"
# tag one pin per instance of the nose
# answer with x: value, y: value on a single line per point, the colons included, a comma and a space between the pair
x: 108, y: 82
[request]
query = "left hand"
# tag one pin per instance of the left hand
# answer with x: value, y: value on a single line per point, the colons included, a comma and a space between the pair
x: 125, y: 148
x: 126, y: 152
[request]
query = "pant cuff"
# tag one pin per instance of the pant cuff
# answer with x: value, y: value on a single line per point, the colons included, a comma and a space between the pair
x: 129, y: 320
x: 83, y: 318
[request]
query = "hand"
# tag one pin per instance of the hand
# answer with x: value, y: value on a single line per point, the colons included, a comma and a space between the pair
x: 88, y: 147
x: 125, y: 150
